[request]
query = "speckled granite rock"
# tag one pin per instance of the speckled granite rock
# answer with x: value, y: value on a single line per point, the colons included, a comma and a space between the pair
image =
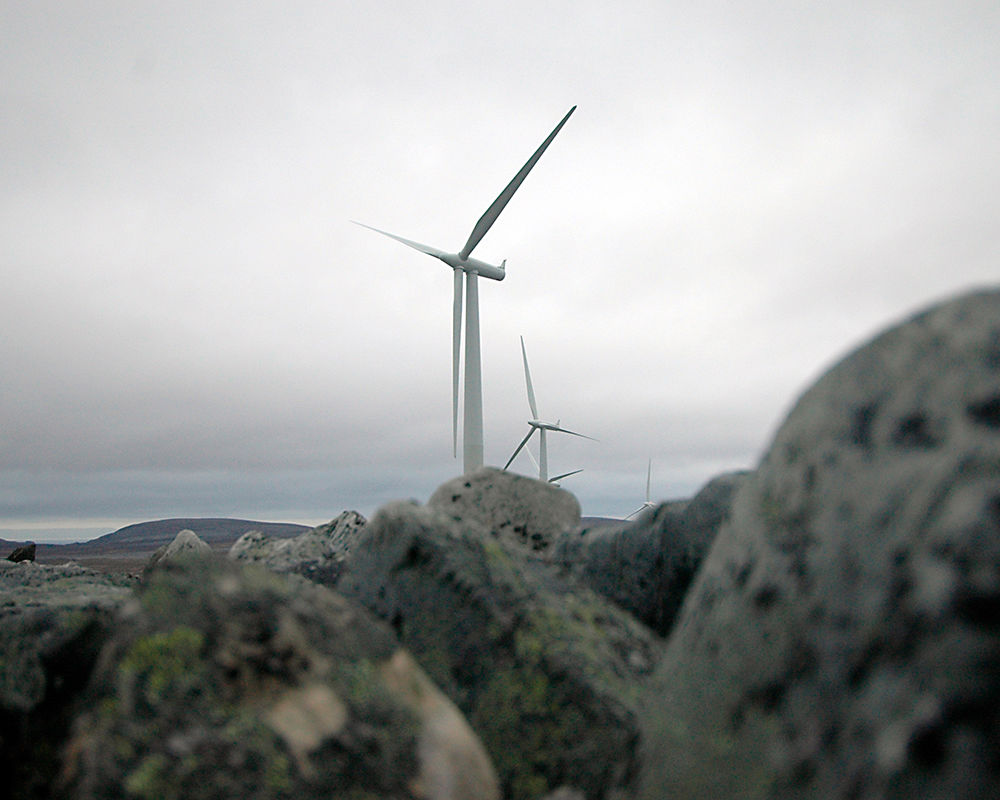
x: 842, y: 639
x: 547, y: 672
x: 522, y: 511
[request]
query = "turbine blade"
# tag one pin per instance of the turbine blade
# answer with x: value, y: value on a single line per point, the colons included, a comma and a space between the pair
x: 649, y: 475
x: 423, y: 248
x: 486, y: 220
x: 573, y: 433
x: 527, y: 382
x: 532, y: 459
x: 524, y: 441
x: 564, y: 475
x: 456, y: 348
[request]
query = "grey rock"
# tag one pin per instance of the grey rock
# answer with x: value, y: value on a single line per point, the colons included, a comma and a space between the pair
x: 522, y: 511
x: 842, y: 638
x: 24, y: 552
x: 547, y: 672
x: 226, y: 681
x: 186, y: 544
x: 647, y: 564
x: 53, y: 621
x: 317, y: 554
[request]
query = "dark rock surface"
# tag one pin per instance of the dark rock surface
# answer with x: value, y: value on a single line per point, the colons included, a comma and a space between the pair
x: 842, y: 639
x: 317, y: 554
x: 53, y: 621
x: 547, y: 672
x: 222, y: 681
x: 646, y: 565
x: 24, y: 552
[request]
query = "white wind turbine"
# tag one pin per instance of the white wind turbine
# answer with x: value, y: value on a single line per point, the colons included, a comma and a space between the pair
x: 647, y: 504
x: 535, y: 424
x: 462, y: 264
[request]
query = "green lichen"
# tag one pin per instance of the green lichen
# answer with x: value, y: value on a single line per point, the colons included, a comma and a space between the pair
x: 166, y: 662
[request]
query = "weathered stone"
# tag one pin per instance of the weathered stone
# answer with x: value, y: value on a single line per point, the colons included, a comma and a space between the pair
x: 842, y: 638
x: 317, y: 554
x: 23, y: 552
x: 53, y: 621
x: 646, y: 565
x: 547, y: 672
x: 225, y: 681
x: 186, y: 544
x: 523, y: 511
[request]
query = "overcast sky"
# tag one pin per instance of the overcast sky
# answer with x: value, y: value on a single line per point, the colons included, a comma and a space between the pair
x: 192, y: 327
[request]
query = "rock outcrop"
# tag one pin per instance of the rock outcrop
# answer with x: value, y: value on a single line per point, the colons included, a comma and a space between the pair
x: 317, y: 554
x: 646, y: 565
x: 53, y: 621
x: 547, y: 672
x: 222, y: 681
x: 842, y: 639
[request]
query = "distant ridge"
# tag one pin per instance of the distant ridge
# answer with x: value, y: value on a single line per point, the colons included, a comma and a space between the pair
x: 130, y: 547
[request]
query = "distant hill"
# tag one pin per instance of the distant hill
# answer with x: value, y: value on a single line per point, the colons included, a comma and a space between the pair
x: 130, y: 547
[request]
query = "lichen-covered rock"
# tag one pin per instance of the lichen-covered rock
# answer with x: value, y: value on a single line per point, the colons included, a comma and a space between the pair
x: 223, y: 681
x: 842, y: 639
x: 186, y: 544
x: 646, y: 565
x: 53, y: 620
x: 317, y: 554
x: 522, y: 511
x: 547, y: 672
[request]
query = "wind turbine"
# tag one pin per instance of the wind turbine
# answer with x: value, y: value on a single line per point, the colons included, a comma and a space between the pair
x: 471, y: 268
x: 535, y: 424
x: 647, y: 504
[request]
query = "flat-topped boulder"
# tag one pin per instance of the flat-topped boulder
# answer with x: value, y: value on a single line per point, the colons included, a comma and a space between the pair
x: 523, y: 511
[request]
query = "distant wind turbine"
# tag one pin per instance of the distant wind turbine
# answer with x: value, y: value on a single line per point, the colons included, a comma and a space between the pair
x: 647, y: 504
x: 535, y: 424
x: 462, y: 264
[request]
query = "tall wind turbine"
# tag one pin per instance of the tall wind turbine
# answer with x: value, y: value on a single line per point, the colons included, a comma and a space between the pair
x: 647, y: 503
x: 535, y: 424
x: 471, y: 269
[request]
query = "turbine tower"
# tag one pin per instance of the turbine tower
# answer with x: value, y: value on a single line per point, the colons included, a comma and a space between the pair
x: 470, y: 269
x: 535, y: 424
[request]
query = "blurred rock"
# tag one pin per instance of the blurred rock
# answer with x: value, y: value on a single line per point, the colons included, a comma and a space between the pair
x: 186, y: 544
x: 842, y: 639
x: 522, y: 511
x: 547, y: 672
x: 224, y: 681
x: 646, y: 565
x: 317, y: 554
x: 53, y: 621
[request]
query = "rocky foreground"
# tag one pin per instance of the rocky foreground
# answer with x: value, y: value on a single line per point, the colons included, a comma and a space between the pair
x: 824, y: 626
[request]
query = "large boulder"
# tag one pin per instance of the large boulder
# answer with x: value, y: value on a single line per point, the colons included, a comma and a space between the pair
x: 317, y: 554
x: 842, y: 638
x: 53, y: 621
x: 186, y: 544
x: 223, y: 681
x: 522, y: 511
x: 645, y: 565
x: 547, y: 672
